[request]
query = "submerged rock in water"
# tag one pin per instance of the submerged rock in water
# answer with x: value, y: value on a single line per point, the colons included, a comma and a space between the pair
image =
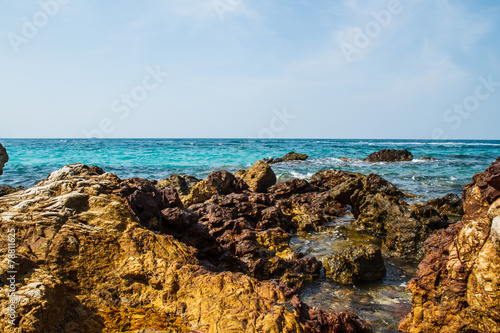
x: 378, y: 208
x: 456, y: 288
x: 357, y: 264
x: 259, y: 177
x: 389, y: 155
x: 429, y: 159
x: 291, y: 156
x: 86, y: 261
x: 4, y: 158
x: 183, y: 184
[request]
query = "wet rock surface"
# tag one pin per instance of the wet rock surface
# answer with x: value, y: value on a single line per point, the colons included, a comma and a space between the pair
x: 291, y: 156
x: 389, y: 155
x: 4, y: 158
x: 95, y: 252
x: 359, y: 264
x: 456, y: 288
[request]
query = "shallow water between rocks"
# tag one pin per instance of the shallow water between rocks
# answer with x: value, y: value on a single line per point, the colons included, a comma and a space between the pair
x: 383, y: 304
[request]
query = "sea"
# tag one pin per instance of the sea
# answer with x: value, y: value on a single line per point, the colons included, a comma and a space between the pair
x: 383, y: 303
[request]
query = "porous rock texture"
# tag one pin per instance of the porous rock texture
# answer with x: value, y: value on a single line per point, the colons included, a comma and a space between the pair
x: 359, y: 264
x: 259, y: 177
x: 95, y: 253
x: 457, y: 288
x: 379, y: 209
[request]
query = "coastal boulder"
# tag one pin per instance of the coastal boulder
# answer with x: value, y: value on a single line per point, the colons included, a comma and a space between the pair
x: 357, y: 264
x: 259, y: 177
x: 7, y: 189
x: 456, y: 288
x: 4, y: 158
x: 389, y: 155
x: 183, y: 184
x: 291, y: 156
x: 218, y: 182
x: 451, y: 204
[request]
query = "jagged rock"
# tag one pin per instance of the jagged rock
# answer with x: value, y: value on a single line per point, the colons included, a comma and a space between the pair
x: 389, y: 155
x: 291, y: 156
x: 218, y: 182
x: 4, y: 158
x: 6, y: 189
x: 331, y: 177
x: 259, y: 177
x: 357, y: 264
x: 451, y: 204
x: 319, y: 321
x: 183, y: 184
x: 86, y: 263
x: 290, y: 187
x: 456, y: 288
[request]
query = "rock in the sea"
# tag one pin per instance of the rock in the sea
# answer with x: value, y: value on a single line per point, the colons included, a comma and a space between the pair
x: 428, y: 159
x: 86, y: 262
x: 259, y: 177
x: 218, y: 182
x: 308, y: 206
x: 183, y: 184
x: 7, y: 189
x: 291, y: 156
x: 357, y: 264
x: 451, y: 204
x: 389, y: 155
x: 4, y: 158
x: 457, y: 283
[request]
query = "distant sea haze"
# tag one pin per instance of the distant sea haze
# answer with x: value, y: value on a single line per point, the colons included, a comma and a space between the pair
x: 456, y: 162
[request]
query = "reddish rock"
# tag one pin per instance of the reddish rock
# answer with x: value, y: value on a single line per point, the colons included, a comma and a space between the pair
x: 457, y: 283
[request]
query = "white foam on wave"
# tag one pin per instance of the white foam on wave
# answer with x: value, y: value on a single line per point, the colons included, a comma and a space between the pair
x: 299, y: 175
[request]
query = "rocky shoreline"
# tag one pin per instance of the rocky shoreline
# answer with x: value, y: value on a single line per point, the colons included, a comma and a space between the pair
x: 100, y: 253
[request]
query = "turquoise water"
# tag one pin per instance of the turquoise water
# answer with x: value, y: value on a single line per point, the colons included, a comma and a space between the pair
x: 33, y: 159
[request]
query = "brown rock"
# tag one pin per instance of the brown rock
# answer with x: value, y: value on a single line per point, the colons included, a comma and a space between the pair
x: 456, y: 288
x: 183, y: 184
x: 357, y: 264
x: 86, y: 264
x: 4, y: 158
x: 450, y: 204
x: 389, y: 155
x: 259, y: 177
x: 291, y: 156
x: 218, y: 182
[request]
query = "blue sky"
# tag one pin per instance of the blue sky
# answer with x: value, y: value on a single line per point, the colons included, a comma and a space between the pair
x: 238, y: 68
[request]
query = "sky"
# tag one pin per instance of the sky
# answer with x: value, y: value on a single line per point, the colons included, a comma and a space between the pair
x: 407, y: 69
